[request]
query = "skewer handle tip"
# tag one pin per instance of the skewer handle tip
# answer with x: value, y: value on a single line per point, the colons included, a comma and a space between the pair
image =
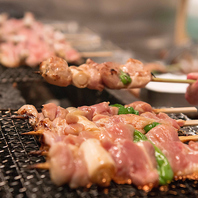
x: 188, y: 81
x: 177, y: 110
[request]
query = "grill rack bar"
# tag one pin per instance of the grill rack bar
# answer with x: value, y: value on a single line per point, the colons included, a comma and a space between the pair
x: 19, y: 74
x: 16, y: 180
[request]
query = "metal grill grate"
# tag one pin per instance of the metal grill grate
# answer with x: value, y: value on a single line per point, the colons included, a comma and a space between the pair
x: 19, y: 74
x: 16, y: 180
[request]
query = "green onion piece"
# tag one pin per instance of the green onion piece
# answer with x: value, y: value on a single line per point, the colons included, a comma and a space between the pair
x: 125, y: 78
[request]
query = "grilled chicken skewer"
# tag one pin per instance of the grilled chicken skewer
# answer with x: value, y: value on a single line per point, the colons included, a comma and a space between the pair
x: 96, y: 76
x: 101, y: 147
x: 46, y: 153
x: 92, y: 75
x: 18, y: 49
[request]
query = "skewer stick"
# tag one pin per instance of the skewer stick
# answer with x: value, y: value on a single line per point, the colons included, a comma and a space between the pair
x: 40, y: 166
x: 44, y: 153
x: 188, y: 138
x: 177, y: 110
x: 96, y: 54
x: 19, y: 117
x: 39, y: 132
x: 37, y: 72
x: 180, y: 36
x: 191, y: 122
x: 188, y: 81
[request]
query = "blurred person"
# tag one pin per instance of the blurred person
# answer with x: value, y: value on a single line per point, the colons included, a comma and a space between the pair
x: 191, y: 94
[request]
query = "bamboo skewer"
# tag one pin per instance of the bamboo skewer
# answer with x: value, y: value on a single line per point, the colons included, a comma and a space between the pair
x: 191, y: 123
x: 19, y: 117
x: 177, y: 110
x: 44, y: 165
x: 96, y: 54
x: 39, y: 132
x: 188, y: 81
x: 39, y: 152
x: 188, y: 138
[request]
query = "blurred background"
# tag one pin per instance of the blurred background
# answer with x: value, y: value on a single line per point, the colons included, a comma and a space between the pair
x: 143, y: 27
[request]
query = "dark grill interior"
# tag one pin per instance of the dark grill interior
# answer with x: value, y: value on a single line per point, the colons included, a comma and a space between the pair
x: 19, y: 74
x: 17, y: 180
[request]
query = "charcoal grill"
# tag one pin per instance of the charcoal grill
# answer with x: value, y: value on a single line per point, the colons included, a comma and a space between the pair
x: 17, y: 180
x: 19, y: 74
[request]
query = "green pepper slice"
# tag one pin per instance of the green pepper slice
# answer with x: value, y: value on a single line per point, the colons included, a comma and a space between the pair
x: 163, y: 166
x: 125, y: 78
x: 150, y: 126
x: 125, y: 110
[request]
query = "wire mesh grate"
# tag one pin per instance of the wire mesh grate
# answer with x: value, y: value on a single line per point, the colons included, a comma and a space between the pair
x: 17, y: 180
x: 19, y: 74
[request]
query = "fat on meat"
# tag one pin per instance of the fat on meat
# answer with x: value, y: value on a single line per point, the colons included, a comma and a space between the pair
x: 135, y: 163
x: 27, y: 41
x: 93, y: 69
x: 140, y: 76
x: 140, y: 106
x: 31, y: 112
x: 102, y: 108
x: 163, y: 119
x: 62, y: 164
x: 138, y: 122
x: 55, y: 70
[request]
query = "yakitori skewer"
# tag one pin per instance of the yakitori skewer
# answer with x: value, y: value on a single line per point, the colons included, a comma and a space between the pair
x: 40, y: 131
x: 97, y: 76
x: 45, y: 153
x: 177, y: 110
x: 164, y: 110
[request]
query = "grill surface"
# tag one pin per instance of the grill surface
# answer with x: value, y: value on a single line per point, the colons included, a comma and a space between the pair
x: 16, y: 180
x: 19, y: 74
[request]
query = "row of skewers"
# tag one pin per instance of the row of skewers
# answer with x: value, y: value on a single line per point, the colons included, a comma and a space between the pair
x: 16, y: 48
x: 97, y: 144
x: 131, y: 144
x: 28, y: 41
x: 92, y: 75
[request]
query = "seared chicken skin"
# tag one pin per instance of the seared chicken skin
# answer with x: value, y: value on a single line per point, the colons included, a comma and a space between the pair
x: 94, y: 75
